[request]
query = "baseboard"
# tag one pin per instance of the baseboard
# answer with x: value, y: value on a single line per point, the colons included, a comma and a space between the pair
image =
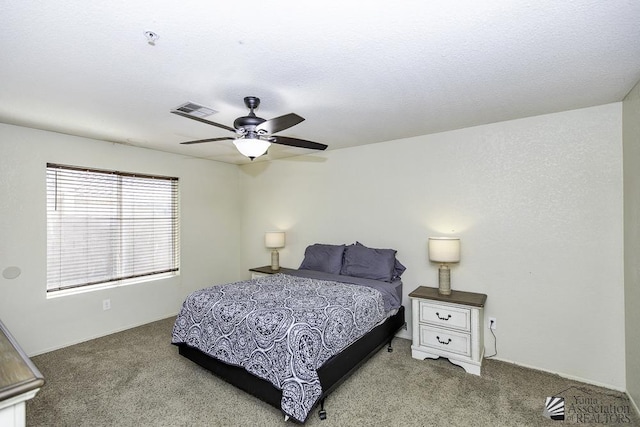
x: 403, y: 333
x: 124, y: 328
x: 569, y: 377
x: 633, y: 403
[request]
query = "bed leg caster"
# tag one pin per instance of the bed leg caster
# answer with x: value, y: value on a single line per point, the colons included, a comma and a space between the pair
x: 389, y: 348
x: 322, y: 413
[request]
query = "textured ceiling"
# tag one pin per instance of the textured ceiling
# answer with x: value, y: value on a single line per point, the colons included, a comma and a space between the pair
x: 359, y: 74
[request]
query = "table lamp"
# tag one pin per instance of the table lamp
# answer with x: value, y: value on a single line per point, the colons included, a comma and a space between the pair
x: 444, y: 250
x: 274, y: 240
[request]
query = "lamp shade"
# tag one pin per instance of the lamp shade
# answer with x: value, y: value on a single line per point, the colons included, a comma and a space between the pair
x: 252, y: 147
x: 274, y: 239
x: 444, y: 249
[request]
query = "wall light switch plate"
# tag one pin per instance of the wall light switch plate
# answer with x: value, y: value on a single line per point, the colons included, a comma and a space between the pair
x: 106, y: 304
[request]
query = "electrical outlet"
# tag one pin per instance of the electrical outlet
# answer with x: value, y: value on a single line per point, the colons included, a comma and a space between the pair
x: 106, y: 304
x: 492, y: 323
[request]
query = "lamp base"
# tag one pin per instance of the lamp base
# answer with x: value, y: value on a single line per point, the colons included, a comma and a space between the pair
x: 444, y: 280
x: 275, y: 260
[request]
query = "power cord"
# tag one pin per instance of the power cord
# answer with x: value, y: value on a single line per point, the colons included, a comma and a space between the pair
x: 495, y: 342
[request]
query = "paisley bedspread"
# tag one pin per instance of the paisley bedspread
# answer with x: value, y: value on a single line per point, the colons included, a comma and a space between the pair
x: 280, y: 328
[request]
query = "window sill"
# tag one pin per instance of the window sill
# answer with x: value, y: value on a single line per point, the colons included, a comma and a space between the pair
x: 91, y: 288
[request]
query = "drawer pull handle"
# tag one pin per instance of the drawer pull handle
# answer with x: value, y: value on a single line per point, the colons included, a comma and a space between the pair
x: 443, y: 318
x: 443, y: 342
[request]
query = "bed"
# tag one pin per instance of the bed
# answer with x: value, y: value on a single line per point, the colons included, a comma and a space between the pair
x: 291, y: 339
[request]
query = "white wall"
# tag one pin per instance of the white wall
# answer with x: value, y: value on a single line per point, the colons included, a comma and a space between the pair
x: 537, y: 203
x: 631, y: 136
x: 210, y: 231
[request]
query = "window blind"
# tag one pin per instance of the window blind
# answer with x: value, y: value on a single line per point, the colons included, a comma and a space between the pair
x: 104, y: 227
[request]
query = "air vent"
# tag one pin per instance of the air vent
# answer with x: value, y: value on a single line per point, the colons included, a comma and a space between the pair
x: 195, y: 109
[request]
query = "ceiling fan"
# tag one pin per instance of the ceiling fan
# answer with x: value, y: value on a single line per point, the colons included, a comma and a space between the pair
x: 254, y: 134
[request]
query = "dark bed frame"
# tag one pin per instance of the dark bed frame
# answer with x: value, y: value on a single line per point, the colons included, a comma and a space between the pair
x: 331, y: 374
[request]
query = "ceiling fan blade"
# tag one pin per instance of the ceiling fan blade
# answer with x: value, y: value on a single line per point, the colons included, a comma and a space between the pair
x: 200, y: 119
x: 199, y: 141
x: 295, y: 142
x: 279, y: 123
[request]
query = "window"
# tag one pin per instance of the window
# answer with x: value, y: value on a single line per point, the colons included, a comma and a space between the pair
x: 106, y: 228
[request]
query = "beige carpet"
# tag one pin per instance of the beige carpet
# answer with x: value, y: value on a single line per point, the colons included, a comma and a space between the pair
x: 137, y: 378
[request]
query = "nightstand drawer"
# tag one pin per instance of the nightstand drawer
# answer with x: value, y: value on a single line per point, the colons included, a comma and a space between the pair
x: 450, y: 317
x: 449, y: 341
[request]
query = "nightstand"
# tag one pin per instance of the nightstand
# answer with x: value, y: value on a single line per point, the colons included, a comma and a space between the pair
x: 266, y: 270
x: 448, y: 326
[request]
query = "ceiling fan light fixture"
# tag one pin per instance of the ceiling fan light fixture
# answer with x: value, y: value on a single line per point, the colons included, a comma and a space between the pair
x: 252, y: 148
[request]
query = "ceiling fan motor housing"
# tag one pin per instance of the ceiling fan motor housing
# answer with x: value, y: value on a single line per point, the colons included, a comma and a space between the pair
x: 248, y: 123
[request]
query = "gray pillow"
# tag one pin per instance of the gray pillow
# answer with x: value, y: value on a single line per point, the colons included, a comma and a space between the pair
x: 368, y: 263
x: 398, y: 268
x: 321, y: 257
